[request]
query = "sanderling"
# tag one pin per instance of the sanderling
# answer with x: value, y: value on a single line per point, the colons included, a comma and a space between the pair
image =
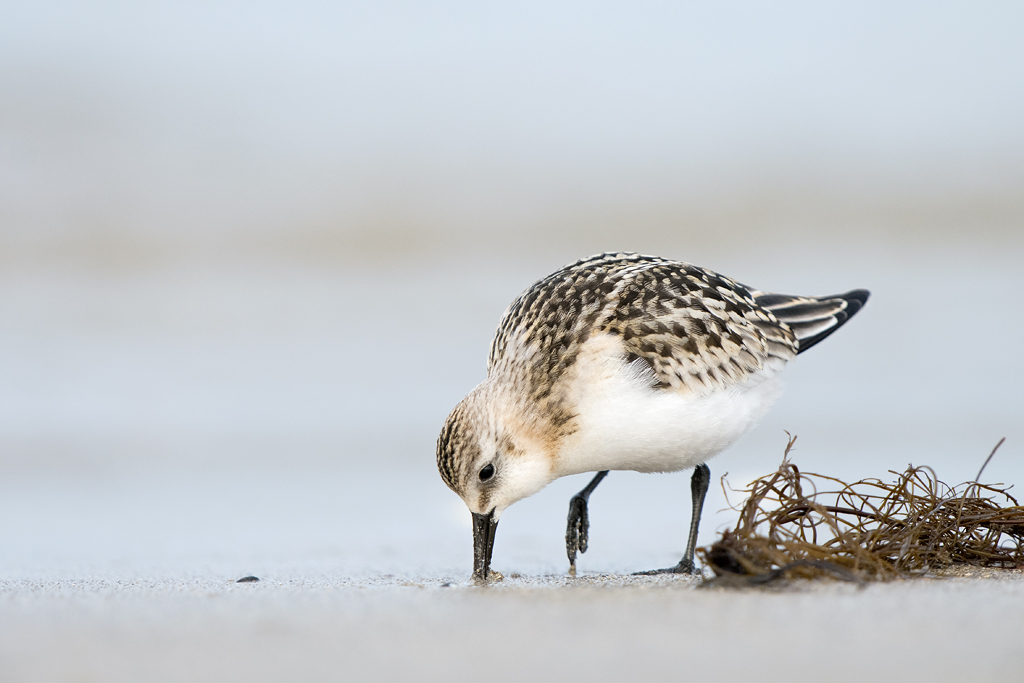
x: 622, y: 362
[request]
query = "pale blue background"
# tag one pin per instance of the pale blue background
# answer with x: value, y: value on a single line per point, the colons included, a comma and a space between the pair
x: 250, y: 256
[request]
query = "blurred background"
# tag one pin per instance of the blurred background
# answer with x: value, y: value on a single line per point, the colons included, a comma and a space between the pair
x: 251, y: 255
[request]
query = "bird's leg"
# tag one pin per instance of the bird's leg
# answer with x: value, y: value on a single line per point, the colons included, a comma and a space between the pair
x: 699, y: 483
x: 698, y: 490
x: 578, y: 523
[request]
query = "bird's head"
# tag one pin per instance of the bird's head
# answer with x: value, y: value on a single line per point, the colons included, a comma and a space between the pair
x: 488, y: 456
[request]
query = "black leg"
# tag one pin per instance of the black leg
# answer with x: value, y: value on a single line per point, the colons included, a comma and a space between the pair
x: 698, y: 490
x: 579, y: 524
x: 699, y: 483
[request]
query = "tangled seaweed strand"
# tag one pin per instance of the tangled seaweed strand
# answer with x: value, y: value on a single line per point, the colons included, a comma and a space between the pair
x: 866, y: 531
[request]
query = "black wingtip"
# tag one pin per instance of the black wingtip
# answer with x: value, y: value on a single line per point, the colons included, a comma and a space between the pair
x: 855, y: 300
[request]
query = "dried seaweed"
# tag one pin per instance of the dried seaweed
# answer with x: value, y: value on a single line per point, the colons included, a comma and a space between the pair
x: 798, y: 524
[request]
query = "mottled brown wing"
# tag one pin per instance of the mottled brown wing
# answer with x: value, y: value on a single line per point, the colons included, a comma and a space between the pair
x: 698, y: 330
x: 547, y: 324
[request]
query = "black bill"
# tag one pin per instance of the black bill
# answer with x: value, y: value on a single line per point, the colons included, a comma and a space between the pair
x: 483, y: 544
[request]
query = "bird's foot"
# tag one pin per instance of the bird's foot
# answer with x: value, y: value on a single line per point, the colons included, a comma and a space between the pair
x: 684, y: 567
x: 577, y: 530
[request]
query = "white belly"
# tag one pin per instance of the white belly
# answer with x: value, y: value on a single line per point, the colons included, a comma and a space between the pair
x: 624, y: 424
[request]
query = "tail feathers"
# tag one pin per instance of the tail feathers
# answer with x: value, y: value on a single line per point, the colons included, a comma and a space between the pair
x: 813, y: 318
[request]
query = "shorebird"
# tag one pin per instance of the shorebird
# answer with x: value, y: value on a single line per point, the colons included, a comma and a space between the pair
x: 622, y: 362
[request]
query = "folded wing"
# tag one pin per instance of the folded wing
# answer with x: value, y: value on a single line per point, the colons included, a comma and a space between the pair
x: 813, y: 318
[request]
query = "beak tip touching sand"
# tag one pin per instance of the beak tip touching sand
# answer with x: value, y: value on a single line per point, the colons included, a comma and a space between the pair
x: 484, y: 526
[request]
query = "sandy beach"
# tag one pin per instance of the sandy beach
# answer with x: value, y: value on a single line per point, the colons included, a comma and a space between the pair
x: 597, y: 628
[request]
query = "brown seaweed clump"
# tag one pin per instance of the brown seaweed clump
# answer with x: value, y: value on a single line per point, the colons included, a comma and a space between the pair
x: 807, y: 525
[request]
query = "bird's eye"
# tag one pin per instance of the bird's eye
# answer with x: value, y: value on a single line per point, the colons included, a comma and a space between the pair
x: 487, y: 472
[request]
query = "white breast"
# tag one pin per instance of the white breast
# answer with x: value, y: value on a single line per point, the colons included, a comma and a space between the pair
x: 625, y: 424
